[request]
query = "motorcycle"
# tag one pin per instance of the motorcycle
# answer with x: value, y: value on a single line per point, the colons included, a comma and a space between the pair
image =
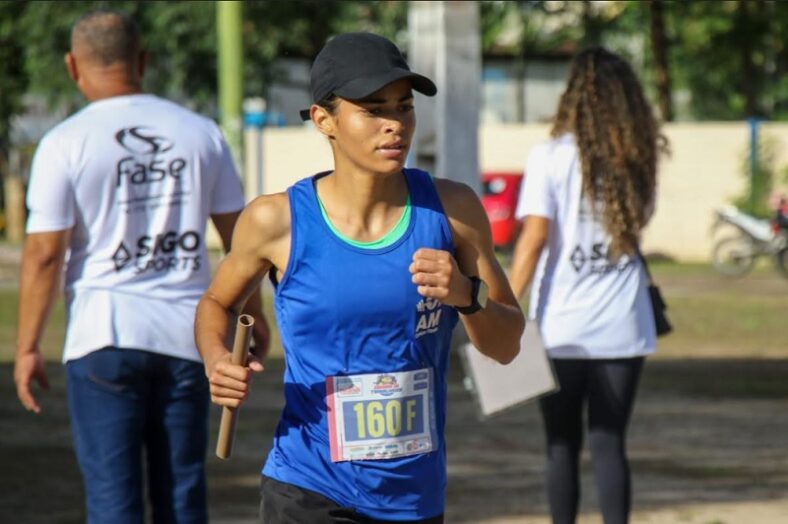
x: 735, y: 256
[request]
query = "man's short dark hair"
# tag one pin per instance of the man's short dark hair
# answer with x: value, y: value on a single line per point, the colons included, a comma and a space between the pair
x: 108, y: 36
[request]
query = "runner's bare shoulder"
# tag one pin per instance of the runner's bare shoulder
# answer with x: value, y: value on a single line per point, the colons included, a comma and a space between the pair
x: 264, y: 225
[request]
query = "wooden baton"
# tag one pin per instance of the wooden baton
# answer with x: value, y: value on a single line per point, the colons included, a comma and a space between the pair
x: 243, y: 334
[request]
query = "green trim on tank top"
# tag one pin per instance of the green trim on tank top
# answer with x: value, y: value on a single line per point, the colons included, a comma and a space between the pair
x: 399, y: 229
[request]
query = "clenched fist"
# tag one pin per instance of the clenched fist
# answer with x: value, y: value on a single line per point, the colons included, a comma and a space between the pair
x: 437, y: 275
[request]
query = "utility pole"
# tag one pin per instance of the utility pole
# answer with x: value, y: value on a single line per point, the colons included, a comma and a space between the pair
x: 444, y: 44
x: 230, y: 60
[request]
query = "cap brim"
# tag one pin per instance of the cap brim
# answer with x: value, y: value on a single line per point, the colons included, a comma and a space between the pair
x: 363, y: 87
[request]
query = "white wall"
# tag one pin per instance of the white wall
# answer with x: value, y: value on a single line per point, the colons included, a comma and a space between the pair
x: 704, y: 171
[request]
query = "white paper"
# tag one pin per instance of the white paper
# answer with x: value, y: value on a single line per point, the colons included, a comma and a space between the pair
x: 497, y: 387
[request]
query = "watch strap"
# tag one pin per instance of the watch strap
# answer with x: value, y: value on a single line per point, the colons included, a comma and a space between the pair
x: 474, y: 306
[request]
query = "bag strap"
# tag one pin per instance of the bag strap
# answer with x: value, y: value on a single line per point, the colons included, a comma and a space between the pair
x: 645, y: 264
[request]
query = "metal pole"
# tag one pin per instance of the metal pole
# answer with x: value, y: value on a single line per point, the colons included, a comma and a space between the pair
x: 230, y: 62
x: 753, y: 123
x: 444, y: 43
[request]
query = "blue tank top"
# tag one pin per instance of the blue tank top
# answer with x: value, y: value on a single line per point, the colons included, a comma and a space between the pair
x: 344, y: 310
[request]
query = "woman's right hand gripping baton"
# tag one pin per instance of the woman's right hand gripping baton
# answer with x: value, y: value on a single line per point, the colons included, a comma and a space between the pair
x: 229, y: 380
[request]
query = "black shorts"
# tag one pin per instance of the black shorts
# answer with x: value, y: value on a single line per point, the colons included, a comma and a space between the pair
x: 282, y: 503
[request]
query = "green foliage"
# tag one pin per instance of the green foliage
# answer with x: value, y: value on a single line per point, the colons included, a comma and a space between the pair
x: 180, y: 37
x: 766, y: 177
x: 730, y: 56
x: 300, y: 28
x: 13, y: 81
x: 181, y: 40
x: 700, y: 34
x: 530, y: 27
x: 763, y: 180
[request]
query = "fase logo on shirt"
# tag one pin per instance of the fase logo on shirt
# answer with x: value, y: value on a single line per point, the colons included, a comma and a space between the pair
x: 146, y: 164
x: 139, y: 141
x: 170, y: 251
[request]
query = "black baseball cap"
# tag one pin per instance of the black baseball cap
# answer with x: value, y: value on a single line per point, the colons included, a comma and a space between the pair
x: 355, y: 65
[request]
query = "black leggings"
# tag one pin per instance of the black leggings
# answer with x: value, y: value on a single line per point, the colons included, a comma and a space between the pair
x: 609, y: 386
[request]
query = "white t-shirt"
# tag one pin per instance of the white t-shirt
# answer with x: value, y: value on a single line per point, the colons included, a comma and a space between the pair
x: 135, y: 178
x: 586, y: 306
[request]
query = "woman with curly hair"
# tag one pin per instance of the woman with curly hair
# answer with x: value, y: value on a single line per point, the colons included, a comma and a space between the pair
x: 587, y: 195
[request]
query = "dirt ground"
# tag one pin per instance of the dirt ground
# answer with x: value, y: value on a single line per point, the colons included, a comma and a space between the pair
x: 708, y: 441
x: 705, y: 448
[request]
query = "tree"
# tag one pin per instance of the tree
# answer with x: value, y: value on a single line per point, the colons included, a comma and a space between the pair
x: 659, y: 48
x: 13, y: 79
x: 181, y: 39
x: 731, y: 56
x: 300, y: 28
x: 13, y: 83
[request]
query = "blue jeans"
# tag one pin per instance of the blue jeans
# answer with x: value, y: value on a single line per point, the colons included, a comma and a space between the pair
x: 123, y: 401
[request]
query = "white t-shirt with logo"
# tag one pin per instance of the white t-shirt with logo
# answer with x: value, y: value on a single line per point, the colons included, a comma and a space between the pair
x: 586, y: 305
x: 135, y: 178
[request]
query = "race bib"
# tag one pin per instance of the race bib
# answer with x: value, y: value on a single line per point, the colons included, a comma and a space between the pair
x: 380, y: 415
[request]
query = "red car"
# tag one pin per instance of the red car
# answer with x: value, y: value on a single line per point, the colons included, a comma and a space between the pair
x: 499, y: 197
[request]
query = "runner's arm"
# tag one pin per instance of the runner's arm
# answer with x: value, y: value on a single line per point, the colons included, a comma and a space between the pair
x: 225, y: 223
x: 42, y: 265
x: 261, y: 227
x: 496, y: 329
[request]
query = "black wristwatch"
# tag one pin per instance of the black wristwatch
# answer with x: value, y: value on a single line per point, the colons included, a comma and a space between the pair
x: 478, y: 297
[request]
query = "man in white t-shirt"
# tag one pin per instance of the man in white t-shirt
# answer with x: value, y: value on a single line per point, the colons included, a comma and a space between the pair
x: 123, y: 190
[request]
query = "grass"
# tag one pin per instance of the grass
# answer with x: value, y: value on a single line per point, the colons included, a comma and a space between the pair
x: 716, y: 316
x: 751, y: 326
x: 52, y: 341
x: 712, y: 316
x: 718, y: 378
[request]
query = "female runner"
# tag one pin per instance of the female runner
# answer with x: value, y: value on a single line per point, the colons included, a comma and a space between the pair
x: 373, y: 264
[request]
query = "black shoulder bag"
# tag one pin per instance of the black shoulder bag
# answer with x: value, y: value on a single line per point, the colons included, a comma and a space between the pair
x: 657, y: 303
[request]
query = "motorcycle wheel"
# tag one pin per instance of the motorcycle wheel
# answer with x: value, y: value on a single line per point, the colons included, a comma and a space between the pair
x: 734, y: 256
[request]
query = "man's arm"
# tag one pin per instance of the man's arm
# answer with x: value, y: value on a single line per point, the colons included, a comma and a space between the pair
x: 496, y: 329
x: 527, y: 251
x: 261, y: 236
x: 42, y: 265
x: 225, y: 224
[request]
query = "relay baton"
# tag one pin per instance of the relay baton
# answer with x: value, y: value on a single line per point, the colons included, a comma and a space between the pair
x: 243, y: 334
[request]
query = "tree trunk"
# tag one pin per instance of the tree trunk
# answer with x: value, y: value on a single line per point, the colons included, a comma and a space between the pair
x: 592, y: 30
x: 748, y: 71
x: 14, y: 200
x: 659, y: 47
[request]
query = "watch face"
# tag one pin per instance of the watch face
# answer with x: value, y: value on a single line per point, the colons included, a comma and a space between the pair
x: 481, y: 296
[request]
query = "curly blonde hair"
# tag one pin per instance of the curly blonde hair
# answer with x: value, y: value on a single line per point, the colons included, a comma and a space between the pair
x: 618, y: 139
